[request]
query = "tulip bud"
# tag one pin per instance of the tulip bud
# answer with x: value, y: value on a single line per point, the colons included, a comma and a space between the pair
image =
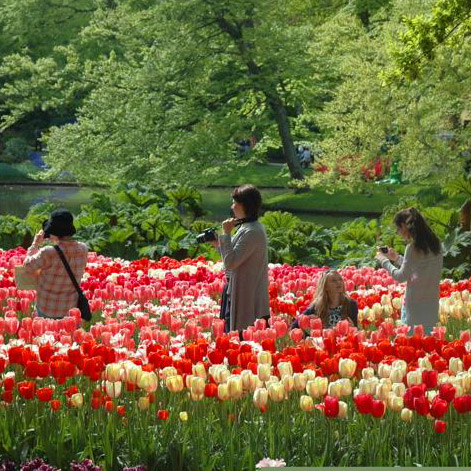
x: 223, y: 392
x: 76, y: 400
x: 399, y: 389
x: 384, y: 370
x: 260, y: 397
x: 367, y: 373
x: 401, y: 364
x: 234, y: 384
x: 406, y: 414
x: 143, y: 403
x: 113, y: 372
x: 317, y: 387
x: 183, y: 416
x: 264, y: 371
x: 300, y: 381
x: 169, y: 371
x: 396, y: 375
x: 148, y: 381
x: 113, y: 389
x: 395, y: 403
x: 343, y: 410
x: 306, y: 403
x: 133, y: 373
x: 367, y: 386
x: 425, y: 363
x: 197, y: 385
x: 174, y: 383
x: 346, y: 387
x: 264, y: 357
x: 199, y: 370
x: 310, y: 374
x: 288, y: 383
x: 276, y: 391
x: 347, y: 367
x: 335, y: 389
x: 285, y: 368
x: 455, y: 365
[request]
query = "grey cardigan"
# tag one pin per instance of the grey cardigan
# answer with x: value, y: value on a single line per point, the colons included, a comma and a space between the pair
x: 245, y: 258
x: 422, y: 274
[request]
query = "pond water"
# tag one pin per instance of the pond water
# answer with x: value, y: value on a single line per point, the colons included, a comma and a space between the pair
x: 17, y: 199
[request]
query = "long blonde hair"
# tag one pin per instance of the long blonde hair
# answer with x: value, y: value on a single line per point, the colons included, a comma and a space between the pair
x: 321, y: 298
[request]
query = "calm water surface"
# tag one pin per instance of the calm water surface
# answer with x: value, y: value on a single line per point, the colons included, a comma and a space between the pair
x: 216, y: 201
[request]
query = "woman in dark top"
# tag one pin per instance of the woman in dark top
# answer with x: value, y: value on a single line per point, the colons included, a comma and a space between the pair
x: 331, y: 303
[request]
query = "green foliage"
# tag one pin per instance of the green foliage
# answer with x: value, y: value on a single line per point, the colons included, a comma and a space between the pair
x: 14, y: 231
x: 16, y: 150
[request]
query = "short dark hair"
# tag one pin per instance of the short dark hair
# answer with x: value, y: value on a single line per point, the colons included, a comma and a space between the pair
x: 422, y: 234
x: 250, y: 198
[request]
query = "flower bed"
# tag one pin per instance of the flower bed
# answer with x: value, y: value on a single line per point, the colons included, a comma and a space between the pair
x: 155, y: 382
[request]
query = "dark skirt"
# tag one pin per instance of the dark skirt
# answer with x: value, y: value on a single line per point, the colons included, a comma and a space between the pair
x: 225, y: 312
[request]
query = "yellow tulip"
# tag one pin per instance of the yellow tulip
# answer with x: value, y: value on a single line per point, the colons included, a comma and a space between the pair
x: 347, y: 367
x: 384, y: 370
x: 148, y: 381
x: 199, y: 370
x: 288, y: 383
x: 399, y: 389
x: 234, y: 384
x: 113, y: 372
x: 397, y: 375
x: 260, y: 397
x: 76, y: 400
x: 343, y: 410
x: 285, y: 368
x: 367, y: 373
x: 455, y: 365
x: 223, y: 392
x: 335, y: 389
x: 306, y: 403
x: 169, y: 371
x: 414, y: 377
x: 264, y: 358
x: 300, y: 380
x: 113, y: 389
x: 197, y: 385
x: 276, y: 391
x: 143, y: 403
x: 406, y: 414
x: 345, y: 387
x: 310, y: 374
x: 264, y: 371
x: 183, y: 416
x: 174, y: 383
x: 395, y: 403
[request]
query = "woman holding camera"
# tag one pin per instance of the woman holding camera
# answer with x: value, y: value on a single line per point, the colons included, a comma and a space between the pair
x: 245, y: 258
x: 55, y: 293
x: 420, y: 267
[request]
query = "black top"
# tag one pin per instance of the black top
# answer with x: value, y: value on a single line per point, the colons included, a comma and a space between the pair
x: 335, y: 315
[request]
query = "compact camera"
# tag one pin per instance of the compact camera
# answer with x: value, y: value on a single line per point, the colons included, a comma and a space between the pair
x: 208, y: 235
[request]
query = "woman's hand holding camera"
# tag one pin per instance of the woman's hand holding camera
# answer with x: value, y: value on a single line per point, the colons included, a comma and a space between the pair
x: 228, y: 225
x: 386, y: 253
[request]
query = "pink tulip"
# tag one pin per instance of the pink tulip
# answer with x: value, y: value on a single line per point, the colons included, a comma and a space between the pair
x: 281, y: 328
x: 465, y: 336
x: 11, y: 325
x: 260, y: 324
x: 296, y: 335
x: 248, y: 334
x: 419, y: 330
x: 315, y: 323
x: 218, y: 327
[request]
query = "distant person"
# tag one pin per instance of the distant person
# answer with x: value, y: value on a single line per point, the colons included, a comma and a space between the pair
x: 420, y: 268
x: 306, y: 157
x: 331, y: 304
x: 56, y: 294
x: 37, y: 140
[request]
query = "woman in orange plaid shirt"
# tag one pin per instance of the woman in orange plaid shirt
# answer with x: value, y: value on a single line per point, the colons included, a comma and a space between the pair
x: 55, y: 293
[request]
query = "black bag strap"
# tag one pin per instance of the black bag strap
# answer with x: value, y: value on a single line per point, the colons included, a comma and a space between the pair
x: 68, y: 269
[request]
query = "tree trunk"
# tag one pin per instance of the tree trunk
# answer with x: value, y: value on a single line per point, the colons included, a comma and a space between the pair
x: 281, y: 118
x: 465, y: 216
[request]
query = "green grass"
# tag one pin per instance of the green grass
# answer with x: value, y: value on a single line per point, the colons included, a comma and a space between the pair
x: 372, y: 198
x: 261, y: 175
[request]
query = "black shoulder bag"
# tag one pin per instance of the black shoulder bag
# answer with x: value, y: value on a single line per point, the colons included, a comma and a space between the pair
x: 83, y: 305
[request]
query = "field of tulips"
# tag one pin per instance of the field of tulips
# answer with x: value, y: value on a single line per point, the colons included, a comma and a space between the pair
x: 153, y: 381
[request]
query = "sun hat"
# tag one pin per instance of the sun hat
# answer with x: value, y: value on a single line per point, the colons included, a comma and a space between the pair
x: 60, y: 224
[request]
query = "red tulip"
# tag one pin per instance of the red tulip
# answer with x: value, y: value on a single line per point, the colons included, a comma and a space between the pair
x: 429, y: 378
x: 440, y: 426
x: 45, y: 394
x: 379, y: 408
x: 364, y: 403
x: 56, y: 404
x: 163, y: 414
x: 462, y: 404
x: 438, y: 408
x: 447, y: 391
x: 331, y: 406
x: 27, y: 389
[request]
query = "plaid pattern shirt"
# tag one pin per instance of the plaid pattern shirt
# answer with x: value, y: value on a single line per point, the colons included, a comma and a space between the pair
x: 56, y: 293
